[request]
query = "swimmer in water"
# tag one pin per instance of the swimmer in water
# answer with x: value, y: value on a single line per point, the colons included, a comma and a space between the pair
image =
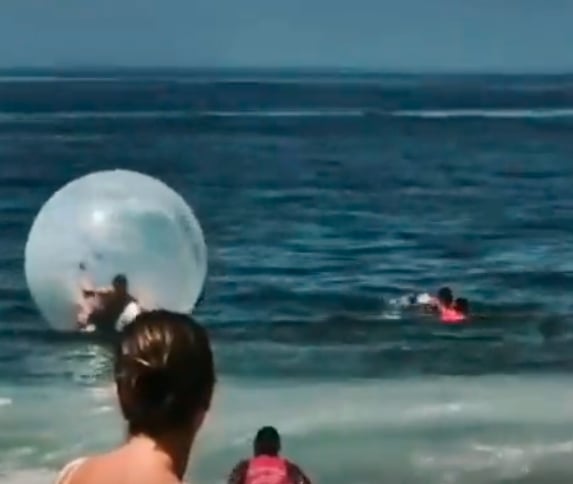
x: 462, y: 306
x: 443, y: 305
x: 444, y: 298
x: 109, y: 308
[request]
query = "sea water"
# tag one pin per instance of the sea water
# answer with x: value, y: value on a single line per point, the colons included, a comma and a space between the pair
x: 323, y: 197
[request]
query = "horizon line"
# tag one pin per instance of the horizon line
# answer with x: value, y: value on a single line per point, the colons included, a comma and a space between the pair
x: 332, y: 70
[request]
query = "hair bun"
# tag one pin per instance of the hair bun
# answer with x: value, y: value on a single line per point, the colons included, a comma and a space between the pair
x: 152, y: 385
x: 164, y: 372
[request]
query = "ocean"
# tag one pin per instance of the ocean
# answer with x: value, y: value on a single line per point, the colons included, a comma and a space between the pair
x: 323, y: 196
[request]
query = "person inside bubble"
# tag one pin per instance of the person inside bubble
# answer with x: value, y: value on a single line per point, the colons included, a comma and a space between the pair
x: 108, y: 308
x: 165, y: 379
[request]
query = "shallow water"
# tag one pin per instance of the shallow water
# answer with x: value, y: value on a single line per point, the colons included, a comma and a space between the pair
x: 322, y: 198
x: 435, y: 429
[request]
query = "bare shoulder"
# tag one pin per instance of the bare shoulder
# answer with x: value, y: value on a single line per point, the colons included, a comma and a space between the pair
x: 118, y: 464
x: 83, y: 469
x: 66, y: 473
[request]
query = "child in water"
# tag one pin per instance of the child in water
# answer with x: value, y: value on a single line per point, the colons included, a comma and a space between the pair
x: 450, y: 311
x: 462, y: 306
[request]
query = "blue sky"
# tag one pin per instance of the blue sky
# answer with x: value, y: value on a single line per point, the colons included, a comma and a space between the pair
x: 426, y: 35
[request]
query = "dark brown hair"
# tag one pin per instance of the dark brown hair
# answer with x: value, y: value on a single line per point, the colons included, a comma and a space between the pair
x: 267, y: 442
x: 164, y: 372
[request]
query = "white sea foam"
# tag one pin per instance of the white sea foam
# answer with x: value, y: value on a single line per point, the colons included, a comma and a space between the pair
x: 333, y: 112
x: 487, y: 113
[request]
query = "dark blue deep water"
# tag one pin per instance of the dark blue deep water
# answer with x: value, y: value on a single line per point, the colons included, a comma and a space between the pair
x: 322, y: 197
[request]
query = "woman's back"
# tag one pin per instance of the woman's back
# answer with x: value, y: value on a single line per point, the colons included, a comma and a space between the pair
x: 123, y: 466
x: 164, y: 375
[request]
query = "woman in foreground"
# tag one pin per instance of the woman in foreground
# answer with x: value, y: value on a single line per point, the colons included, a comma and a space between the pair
x: 164, y: 375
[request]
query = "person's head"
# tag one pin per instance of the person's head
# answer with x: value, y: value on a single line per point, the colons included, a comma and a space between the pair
x: 462, y: 306
x: 165, y: 374
x: 119, y: 283
x: 267, y: 442
x: 445, y: 296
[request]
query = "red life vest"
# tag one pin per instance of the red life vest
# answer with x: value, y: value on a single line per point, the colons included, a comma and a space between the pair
x: 265, y: 469
x: 451, y: 316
